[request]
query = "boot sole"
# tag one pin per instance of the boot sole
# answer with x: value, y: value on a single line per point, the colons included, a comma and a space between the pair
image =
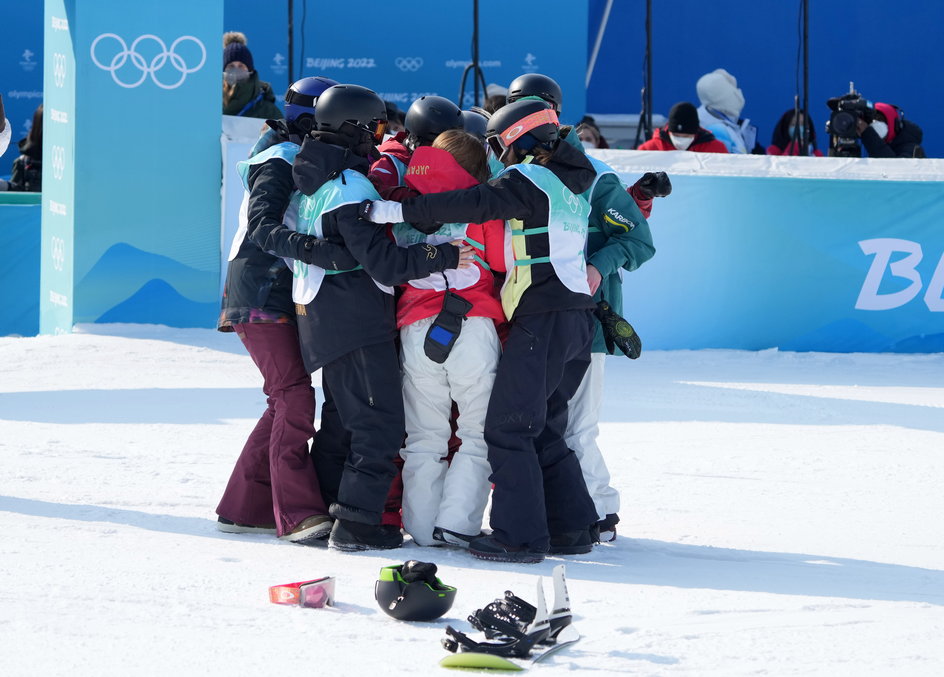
x: 571, y: 550
x: 359, y: 547
x: 516, y: 558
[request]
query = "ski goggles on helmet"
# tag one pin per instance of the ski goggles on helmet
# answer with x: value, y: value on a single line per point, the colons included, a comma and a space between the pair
x: 316, y: 593
x: 377, y: 129
x: 501, y: 142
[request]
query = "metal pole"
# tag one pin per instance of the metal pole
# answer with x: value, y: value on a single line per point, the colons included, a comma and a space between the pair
x: 291, y: 42
x: 806, y: 77
x: 475, y: 53
x: 478, y: 77
x: 596, y: 44
x: 649, y: 67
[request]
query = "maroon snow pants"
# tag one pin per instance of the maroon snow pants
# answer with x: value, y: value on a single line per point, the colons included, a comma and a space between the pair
x: 274, y: 479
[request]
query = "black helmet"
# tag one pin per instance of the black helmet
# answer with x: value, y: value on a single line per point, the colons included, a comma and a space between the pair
x: 430, y: 116
x: 522, y: 125
x: 475, y: 121
x: 411, y: 592
x: 535, y: 84
x: 342, y: 109
x: 300, y: 100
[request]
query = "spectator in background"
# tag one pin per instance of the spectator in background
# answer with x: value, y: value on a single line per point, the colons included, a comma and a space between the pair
x: 395, y: 118
x: 589, y: 134
x: 789, y: 130
x: 890, y: 135
x: 720, y: 110
x: 682, y: 132
x: 5, y: 132
x: 27, y: 172
x: 493, y: 102
x: 244, y: 94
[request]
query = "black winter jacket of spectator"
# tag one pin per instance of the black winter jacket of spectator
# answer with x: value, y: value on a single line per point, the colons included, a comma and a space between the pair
x: 907, y: 143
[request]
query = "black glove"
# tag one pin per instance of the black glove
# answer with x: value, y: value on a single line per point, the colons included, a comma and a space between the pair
x: 413, y: 571
x: 654, y: 184
x: 618, y: 332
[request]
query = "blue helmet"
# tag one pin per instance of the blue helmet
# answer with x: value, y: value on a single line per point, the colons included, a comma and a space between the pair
x: 300, y: 101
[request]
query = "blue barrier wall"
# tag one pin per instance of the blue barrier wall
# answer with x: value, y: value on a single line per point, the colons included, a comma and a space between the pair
x: 20, y: 236
x: 777, y: 261
x: 890, y: 50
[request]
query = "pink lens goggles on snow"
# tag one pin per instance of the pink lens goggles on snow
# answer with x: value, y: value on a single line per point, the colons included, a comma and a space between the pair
x: 316, y: 593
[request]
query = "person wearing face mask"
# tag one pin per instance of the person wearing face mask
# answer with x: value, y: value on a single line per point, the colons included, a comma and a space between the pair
x: 590, y: 135
x: 682, y: 132
x: 721, y: 105
x: 790, y: 128
x: 244, y: 94
x: 890, y: 134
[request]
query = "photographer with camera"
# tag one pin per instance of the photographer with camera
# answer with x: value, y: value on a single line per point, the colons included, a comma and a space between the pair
x: 889, y: 134
x: 881, y: 127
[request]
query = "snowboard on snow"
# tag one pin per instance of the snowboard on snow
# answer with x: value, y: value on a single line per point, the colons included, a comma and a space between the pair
x: 473, y: 660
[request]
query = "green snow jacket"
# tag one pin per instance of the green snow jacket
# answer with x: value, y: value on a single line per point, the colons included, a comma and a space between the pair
x: 619, y: 237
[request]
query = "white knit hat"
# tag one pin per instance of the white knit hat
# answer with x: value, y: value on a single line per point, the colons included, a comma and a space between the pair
x: 718, y: 89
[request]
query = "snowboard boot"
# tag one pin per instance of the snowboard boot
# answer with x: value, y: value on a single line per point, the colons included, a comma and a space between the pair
x: 454, y: 537
x: 490, y: 548
x: 571, y: 543
x: 355, y: 536
x: 312, y: 530
x: 230, y: 527
x: 606, y: 528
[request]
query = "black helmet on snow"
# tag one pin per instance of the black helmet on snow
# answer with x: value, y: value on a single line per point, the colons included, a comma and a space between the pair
x: 521, y: 126
x: 412, y: 592
x: 343, y: 108
x: 475, y: 121
x: 300, y: 100
x: 430, y: 116
x: 535, y: 84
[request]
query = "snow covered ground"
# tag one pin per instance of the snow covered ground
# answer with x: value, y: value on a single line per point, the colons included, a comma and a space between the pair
x: 783, y: 514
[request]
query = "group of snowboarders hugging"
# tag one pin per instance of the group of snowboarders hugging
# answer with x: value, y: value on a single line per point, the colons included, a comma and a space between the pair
x: 458, y: 284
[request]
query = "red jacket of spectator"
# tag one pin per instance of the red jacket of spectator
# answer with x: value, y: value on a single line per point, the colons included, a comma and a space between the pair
x: 704, y: 142
x: 791, y: 149
x: 433, y: 170
x: 783, y: 144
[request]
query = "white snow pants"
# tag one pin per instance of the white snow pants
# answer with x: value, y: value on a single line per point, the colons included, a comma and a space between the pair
x: 435, y: 494
x: 582, y: 431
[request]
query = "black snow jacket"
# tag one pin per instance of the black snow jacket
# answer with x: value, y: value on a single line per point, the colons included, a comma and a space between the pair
x: 258, y: 284
x: 907, y: 143
x: 512, y: 196
x: 350, y: 311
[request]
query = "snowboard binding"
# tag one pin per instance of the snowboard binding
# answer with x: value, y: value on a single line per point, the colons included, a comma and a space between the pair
x: 504, y: 617
x: 512, y: 627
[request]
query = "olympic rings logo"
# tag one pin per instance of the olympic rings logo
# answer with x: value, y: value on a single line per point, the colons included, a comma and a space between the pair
x: 409, y: 63
x: 58, y: 246
x: 58, y: 162
x: 59, y: 69
x: 162, y: 58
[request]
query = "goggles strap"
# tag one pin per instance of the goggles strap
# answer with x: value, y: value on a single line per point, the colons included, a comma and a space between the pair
x: 545, y: 116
